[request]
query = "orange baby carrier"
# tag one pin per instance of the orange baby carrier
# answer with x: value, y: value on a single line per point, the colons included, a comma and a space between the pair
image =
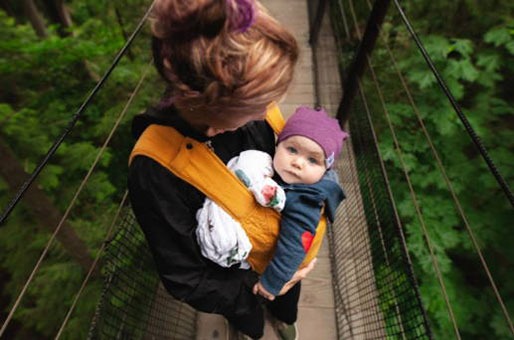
x: 198, y: 165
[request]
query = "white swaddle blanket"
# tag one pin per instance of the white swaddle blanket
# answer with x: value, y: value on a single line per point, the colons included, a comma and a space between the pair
x: 221, y: 238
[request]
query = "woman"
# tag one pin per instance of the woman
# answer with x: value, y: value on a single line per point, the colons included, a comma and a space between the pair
x: 224, y: 62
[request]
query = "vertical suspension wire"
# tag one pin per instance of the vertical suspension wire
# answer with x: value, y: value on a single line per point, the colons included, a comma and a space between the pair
x: 314, y: 32
x: 416, y: 206
x: 449, y: 185
x: 93, y: 265
x: 469, y: 129
x: 411, y: 189
x: 371, y: 192
x: 413, y: 195
x: 385, y: 176
x: 368, y: 112
x: 57, y: 143
x: 405, y: 258
x: 366, y: 45
x: 72, y: 203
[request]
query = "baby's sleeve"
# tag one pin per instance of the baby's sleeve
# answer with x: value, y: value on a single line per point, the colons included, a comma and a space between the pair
x: 268, y: 193
x: 255, y: 168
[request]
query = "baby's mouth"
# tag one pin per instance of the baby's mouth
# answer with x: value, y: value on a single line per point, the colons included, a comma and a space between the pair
x: 292, y: 173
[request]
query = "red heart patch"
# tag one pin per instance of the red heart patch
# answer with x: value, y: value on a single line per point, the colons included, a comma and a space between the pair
x: 307, y: 238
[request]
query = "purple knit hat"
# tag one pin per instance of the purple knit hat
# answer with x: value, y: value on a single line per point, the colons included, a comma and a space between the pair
x: 318, y: 126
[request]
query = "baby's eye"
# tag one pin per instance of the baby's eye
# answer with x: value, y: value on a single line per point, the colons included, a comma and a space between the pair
x: 313, y: 160
x: 292, y: 150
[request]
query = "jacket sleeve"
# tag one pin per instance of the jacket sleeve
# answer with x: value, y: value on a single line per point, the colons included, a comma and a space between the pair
x: 165, y: 208
x: 298, y: 224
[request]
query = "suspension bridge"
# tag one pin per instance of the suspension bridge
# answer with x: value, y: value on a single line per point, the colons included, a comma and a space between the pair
x: 364, y: 285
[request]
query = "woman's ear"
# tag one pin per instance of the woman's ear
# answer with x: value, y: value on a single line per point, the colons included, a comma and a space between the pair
x: 211, y: 132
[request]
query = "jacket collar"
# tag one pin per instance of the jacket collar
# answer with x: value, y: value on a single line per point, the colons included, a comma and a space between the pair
x: 164, y: 116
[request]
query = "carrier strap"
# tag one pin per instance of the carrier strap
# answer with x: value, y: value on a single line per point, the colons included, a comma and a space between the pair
x: 197, y: 164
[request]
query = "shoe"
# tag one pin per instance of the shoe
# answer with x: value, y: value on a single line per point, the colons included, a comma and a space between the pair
x: 286, y: 331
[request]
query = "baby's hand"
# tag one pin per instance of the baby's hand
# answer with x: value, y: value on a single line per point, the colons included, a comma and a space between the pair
x: 269, y: 194
x: 259, y: 289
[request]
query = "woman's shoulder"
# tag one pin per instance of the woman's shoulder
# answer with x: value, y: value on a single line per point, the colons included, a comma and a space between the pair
x: 149, y: 180
x: 146, y: 172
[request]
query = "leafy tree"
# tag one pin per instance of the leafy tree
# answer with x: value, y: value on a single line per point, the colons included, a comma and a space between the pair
x: 43, y: 82
x: 473, y: 49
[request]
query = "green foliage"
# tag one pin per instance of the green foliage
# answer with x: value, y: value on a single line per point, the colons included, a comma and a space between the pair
x: 43, y: 82
x: 473, y: 50
x: 467, y: 72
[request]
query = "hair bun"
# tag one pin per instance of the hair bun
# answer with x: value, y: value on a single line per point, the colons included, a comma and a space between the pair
x: 186, y: 19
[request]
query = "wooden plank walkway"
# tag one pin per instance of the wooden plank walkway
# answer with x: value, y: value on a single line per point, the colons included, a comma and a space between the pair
x: 316, y: 319
x: 358, y: 313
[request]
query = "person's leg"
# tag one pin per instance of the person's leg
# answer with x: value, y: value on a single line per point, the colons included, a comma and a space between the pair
x: 285, y: 307
x: 251, y: 324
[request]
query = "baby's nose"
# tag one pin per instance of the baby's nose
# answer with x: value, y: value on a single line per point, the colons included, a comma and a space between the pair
x: 298, y: 162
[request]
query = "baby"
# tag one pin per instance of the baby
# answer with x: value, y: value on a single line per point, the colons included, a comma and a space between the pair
x: 298, y: 181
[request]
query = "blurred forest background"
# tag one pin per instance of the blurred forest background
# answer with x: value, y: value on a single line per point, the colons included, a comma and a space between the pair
x: 52, y: 55
x: 472, y: 45
x: 53, y: 52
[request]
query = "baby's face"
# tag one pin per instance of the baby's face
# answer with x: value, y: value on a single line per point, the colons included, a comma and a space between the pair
x: 299, y: 159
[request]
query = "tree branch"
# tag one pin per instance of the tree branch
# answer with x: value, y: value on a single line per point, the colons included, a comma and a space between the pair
x: 44, y: 212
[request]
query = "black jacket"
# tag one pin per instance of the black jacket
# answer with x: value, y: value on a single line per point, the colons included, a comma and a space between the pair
x: 165, y: 207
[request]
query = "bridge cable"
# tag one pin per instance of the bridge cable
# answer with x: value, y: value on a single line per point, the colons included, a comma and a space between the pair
x: 109, y: 231
x: 417, y: 208
x: 388, y: 194
x: 17, y: 198
x: 369, y: 185
x: 94, y: 264
x: 338, y: 288
x: 387, y: 187
x: 411, y: 188
x: 72, y: 202
x: 475, y: 138
x: 448, y: 182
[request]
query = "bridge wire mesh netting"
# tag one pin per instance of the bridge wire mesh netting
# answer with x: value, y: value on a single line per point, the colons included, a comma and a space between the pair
x: 134, y: 305
x: 378, y: 205
x: 375, y: 291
